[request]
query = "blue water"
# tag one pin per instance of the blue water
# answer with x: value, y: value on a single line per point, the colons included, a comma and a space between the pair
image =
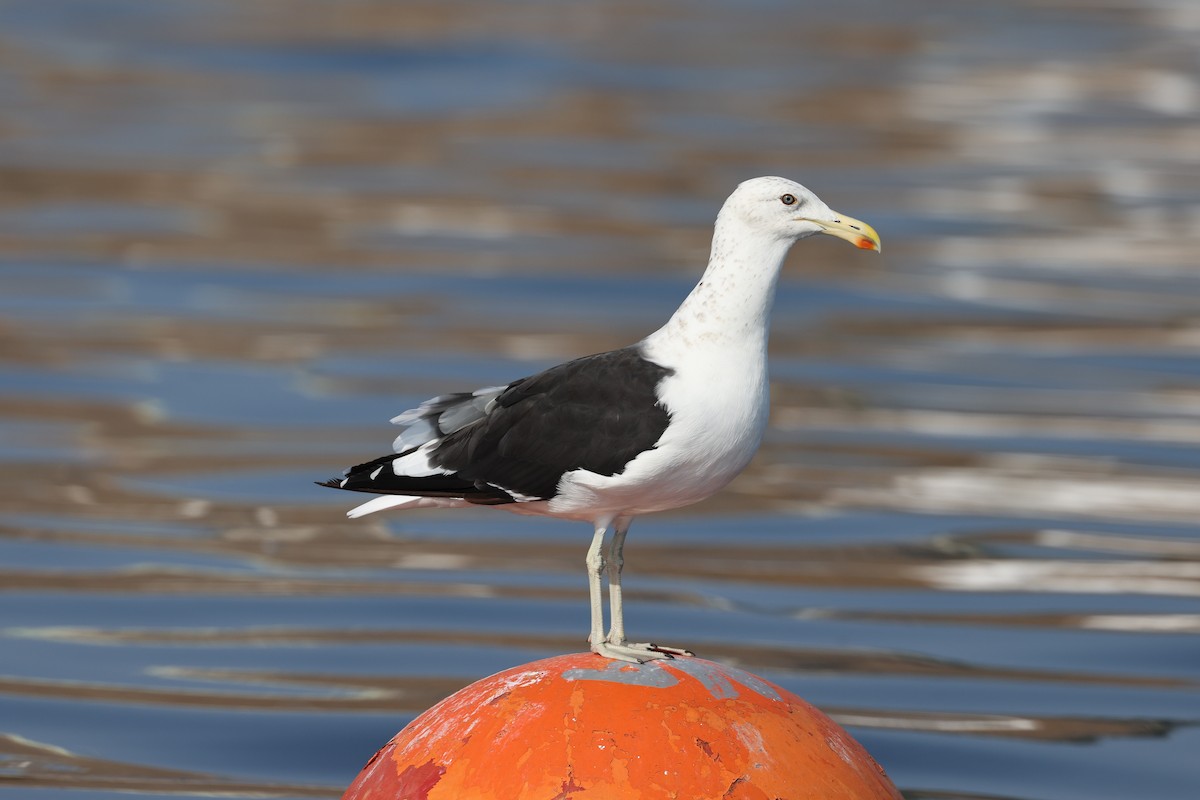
x: 235, y: 239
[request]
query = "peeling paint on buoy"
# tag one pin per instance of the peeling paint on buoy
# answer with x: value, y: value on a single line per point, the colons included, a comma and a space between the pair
x: 580, y: 727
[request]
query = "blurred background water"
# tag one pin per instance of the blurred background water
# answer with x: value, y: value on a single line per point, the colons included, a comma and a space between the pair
x: 235, y: 238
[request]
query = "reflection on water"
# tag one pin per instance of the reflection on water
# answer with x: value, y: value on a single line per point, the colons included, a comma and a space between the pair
x: 236, y: 238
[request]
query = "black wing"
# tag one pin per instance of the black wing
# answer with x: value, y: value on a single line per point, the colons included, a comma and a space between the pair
x: 514, y: 443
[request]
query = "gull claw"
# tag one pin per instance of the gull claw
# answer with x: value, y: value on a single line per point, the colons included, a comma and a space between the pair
x: 638, y: 652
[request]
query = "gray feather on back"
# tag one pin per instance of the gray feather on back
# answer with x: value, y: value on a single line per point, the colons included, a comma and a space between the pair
x: 442, y: 415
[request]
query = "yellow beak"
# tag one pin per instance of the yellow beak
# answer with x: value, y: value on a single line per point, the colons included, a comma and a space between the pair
x: 854, y: 231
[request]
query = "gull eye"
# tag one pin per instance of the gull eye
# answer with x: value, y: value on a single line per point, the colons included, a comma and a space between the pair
x: 788, y: 199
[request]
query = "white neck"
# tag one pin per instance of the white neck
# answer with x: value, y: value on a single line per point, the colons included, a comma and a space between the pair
x: 731, y: 305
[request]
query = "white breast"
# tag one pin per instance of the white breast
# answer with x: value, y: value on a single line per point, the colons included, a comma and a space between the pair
x: 718, y: 408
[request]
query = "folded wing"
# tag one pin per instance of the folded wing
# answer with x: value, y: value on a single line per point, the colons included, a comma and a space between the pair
x: 513, y: 443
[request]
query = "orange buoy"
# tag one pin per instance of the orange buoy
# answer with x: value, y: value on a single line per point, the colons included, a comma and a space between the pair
x: 581, y: 727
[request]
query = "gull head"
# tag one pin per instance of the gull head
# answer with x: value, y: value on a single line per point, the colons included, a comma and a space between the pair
x: 783, y: 208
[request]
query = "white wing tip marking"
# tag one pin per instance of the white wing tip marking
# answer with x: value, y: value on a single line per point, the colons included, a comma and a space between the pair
x: 416, y: 464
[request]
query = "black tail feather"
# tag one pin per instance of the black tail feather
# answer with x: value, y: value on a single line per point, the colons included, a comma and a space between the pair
x: 358, y: 479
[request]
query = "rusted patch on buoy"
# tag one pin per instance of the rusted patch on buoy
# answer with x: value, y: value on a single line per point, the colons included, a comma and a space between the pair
x: 416, y: 782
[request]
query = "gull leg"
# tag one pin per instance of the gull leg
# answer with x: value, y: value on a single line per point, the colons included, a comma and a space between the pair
x: 616, y: 562
x: 595, y: 566
x: 643, y: 651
